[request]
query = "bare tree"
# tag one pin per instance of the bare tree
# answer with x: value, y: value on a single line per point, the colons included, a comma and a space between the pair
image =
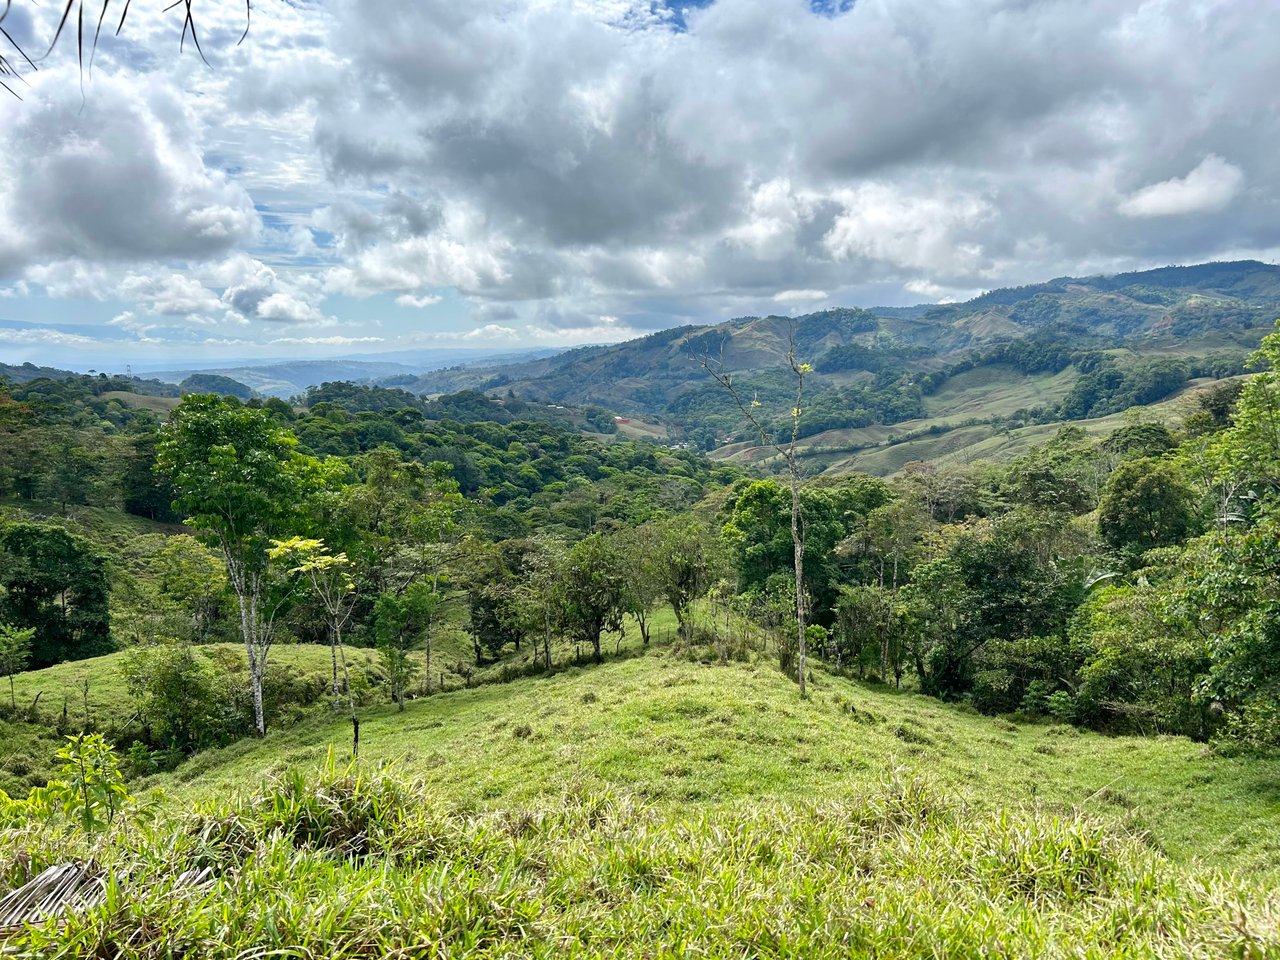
x: 787, y: 451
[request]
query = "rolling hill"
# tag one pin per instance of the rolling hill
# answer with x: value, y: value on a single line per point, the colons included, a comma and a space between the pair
x: 661, y: 805
x: 1020, y: 355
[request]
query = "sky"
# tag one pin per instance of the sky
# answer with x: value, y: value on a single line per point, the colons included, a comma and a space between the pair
x: 372, y: 176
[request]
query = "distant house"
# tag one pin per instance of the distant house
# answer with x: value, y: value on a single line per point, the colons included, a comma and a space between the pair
x: 621, y: 419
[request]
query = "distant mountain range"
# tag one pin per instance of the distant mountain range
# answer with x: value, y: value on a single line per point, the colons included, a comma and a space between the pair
x: 1070, y: 349
x: 1214, y: 305
x: 287, y: 378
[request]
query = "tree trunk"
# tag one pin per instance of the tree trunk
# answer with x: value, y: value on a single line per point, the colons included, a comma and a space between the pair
x: 797, y: 539
x: 335, y: 640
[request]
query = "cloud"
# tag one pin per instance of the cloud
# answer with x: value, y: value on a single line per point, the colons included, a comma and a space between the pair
x: 799, y: 296
x: 577, y: 171
x: 45, y: 335
x: 417, y: 302
x: 492, y: 331
x: 1212, y: 185
x: 117, y: 179
x: 333, y: 341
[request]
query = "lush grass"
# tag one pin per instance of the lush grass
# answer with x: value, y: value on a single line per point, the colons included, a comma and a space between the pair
x: 681, y: 734
x: 56, y: 701
x: 91, y: 695
x: 664, y: 806
x: 162, y: 406
x: 103, y: 525
x: 364, y: 864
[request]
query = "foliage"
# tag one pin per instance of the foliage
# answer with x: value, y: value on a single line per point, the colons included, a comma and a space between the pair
x: 183, y: 701
x: 91, y: 788
x: 1145, y: 505
x: 15, y: 654
x: 595, y: 590
x: 56, y: 584
x: 350, y: 856
x: 243, y: 485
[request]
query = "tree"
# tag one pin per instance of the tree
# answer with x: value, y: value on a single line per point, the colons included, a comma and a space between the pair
x: 57, y: 584
x: 1008, y: 578
x: 595, y: 590
x: 869, y: 629
x: 329, y: 582
x: 1145, y: 505
x: 402, y: 619
x: 682, y: 567
x: 641, y: 557
x: 400, y: 523
x: 177, y: 693
x: 789, y: 456
x: 241, y: 484
x: 540, y: 595
x: 15, y: 652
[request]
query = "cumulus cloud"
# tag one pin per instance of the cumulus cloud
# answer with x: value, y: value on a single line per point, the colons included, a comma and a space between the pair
x: 579, y: 171
x: 799, y: 296
x: 1212, y: 185
x: 116, y: 179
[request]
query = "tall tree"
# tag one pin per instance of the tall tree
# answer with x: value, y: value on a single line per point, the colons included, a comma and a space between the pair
x: 1144, y: 505
x: 683, y: 567
x: 328, y: 580
x: 788, y: 452
x: 242, y: 484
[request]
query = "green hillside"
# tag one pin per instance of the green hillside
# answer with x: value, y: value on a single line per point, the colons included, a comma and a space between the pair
x: 953, y: 438
x: 668, y: 807
x: 676, y: 733
x: 1069, y: 349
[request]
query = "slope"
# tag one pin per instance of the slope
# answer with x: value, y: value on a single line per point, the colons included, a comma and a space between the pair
x: 681, y: 734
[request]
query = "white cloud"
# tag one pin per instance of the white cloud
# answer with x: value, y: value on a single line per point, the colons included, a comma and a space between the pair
x: 116, y: 178
x: 799, y: 296
x: 45, y: 335
x: 334, y: 341
x: 492, y: 331
x: 606, y: 173
x: 417, y: 302
x: 1212, y: 185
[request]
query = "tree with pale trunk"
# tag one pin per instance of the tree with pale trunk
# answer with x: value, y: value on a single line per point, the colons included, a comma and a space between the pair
x: 242, y: 484
x: 327, y: 579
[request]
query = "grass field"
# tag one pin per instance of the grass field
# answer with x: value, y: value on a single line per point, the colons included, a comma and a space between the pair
x: 997, y: 390
x: 681, y: 734
x: 669, y: 806
x: 162, y: 406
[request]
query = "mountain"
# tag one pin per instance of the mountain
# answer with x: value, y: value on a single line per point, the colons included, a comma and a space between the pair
x: 1068, y: 349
